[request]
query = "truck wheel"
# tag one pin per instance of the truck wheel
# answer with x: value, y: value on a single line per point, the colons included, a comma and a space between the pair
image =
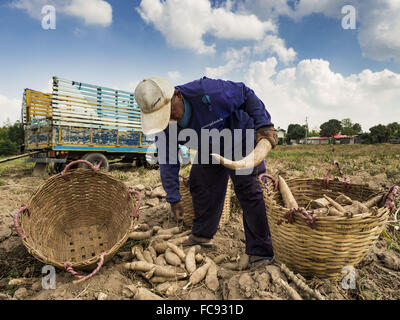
x: 150, y: 159
x: 140, y: 161
x: 95, y: 158
x: 58, y: 167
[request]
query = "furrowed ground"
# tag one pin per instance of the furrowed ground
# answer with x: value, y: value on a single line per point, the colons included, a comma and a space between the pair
x: 377, y: 276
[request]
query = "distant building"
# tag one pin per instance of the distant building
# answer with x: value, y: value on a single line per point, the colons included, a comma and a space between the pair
x: 281, y: 136
x: 338, y: 139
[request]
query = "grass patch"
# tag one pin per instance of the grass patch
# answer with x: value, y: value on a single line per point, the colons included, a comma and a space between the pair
x: 119, y: 175
x: 16, y: 166
x: 393, y: 172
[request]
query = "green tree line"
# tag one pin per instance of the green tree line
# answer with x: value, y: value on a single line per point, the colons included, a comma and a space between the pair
x: 377, y: 134
x: 11, y: 138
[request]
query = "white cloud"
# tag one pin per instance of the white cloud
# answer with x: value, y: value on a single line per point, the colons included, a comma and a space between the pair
x: 276, y: 45
x: 239, y: 59
x: 92, y: 12
x: 10, y: 109
x: 174, y: 75
x: 184, y: 23
x: 236, y: 59
x: 378, y: 21
x: 379, y: 35
x: 313, y: 90
x: 132, y: 85
x: 32, y: 7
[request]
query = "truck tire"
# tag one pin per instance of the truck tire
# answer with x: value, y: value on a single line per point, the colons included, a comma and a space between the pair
x: 95, y: 158
x: 58, y: 167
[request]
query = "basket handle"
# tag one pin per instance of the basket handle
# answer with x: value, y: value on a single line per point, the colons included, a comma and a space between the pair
x: 94, y: 168
x: 326, y: 180
x: 135, y: 213
x: 80, y: 278
x: 275, y: 181
x: 16, y: 222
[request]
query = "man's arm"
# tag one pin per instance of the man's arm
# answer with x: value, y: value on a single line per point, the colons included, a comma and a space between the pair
x: 262, y: 120
x: 240, y: 96
x: 256, y: 109
x: 169, y: 168
x: 170, y: 180
x: 231, y: 96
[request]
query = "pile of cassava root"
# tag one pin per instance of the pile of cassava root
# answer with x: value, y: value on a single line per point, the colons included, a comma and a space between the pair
x: 342, y: 205
x: 167, y: 265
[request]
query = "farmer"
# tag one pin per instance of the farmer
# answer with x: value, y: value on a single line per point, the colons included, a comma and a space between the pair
x: 212, y: 104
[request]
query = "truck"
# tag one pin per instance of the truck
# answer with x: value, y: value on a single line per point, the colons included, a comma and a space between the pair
x: 83, y: 121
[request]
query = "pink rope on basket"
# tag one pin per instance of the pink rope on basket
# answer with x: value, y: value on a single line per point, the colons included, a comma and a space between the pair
x: 16, y: 222
x: 308, y: 216
x: 135, y: 213
x: 68, y: 267
x: 94, y: 168
x: 275, y: 181
x: 326, y: 181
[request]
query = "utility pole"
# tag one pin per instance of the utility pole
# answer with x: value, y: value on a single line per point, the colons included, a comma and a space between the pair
x: 306, y: 129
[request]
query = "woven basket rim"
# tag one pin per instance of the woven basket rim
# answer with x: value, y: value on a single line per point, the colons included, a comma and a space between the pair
x: 88, y: 261
x: 356, y: 218
x: 334, y: 242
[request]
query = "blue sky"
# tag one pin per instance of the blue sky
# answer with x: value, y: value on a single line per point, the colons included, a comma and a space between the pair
x: 309, y: 66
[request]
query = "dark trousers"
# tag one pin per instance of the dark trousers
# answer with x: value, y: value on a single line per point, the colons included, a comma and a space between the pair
x: 208, y: 185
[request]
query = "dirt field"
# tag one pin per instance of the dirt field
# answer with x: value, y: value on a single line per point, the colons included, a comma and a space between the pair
x: 377, y: 276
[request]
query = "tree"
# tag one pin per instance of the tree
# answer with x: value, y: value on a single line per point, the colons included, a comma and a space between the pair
x: 379, y: 134
x: 357, y: 128
x: 8, y: 148
x: 11, y: 136
x: 15, y: 133
x: 394, y: 129
x: 330, y: 128
x: 313, y: 133
x: 350, y: 129
x: 296, y: 132
x: 365, y: 137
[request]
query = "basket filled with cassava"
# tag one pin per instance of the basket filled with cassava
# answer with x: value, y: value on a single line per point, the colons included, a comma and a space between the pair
x: 78, y: 219
x: 188, y: 215
x: 320, y: 226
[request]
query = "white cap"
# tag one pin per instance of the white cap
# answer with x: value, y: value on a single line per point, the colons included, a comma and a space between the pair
x: 153, y: 95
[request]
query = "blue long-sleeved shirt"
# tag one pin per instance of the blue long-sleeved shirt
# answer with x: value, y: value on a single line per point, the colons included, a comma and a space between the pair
x: 215, y: 104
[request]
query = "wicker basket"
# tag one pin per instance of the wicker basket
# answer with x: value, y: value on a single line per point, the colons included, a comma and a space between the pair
x: 334, y: 242
x: 188, y: 205
x: 78, y: 219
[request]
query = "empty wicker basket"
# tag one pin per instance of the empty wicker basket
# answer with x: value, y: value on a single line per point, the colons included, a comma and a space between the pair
x: 334, y: 242
x: 188, y: 205
x: 78, y: 219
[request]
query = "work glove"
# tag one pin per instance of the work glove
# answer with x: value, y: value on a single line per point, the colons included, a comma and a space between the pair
x: 268, y: 133
x: 177, y: 210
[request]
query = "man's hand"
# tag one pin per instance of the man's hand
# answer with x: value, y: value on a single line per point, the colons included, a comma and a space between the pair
x: 268, y: 133
x: 177, y: 210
